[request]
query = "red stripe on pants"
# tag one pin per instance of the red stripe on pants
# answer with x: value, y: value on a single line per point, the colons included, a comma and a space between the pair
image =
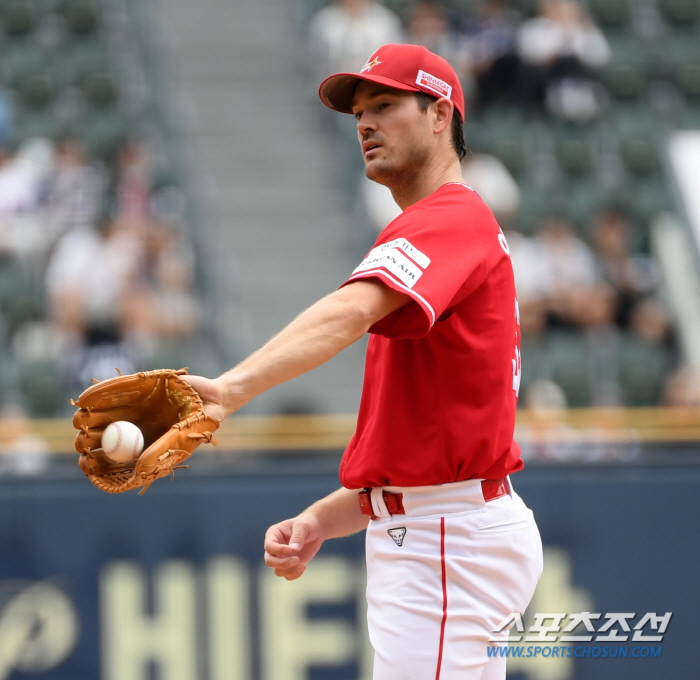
x: 444, y: 596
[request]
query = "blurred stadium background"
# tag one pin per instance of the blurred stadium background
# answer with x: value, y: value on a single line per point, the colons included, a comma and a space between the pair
x: 172, y: 193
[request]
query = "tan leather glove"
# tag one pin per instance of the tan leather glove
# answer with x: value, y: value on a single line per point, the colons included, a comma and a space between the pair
x: 166, y: 409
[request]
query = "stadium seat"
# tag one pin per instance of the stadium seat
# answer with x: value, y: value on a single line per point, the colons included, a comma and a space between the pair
x: 18, y: 18
x: 649, y: 196
x: 626, y: 77
x: 20, y: 60
x: 687, y: 78
x: 500, y: 132
x: 528, y: 8
x: 680, y: 13
x: 689, y: 119
x: 574, y: 152
x: 640, y: 155
x: 581, y: 198
x: 679, y: 62
x: 36, y: 116
x: 568, y: 355
x: 82, y: 17
x: 103, y: 131
x: 643, y: 368
x: 40, y: 382
x: 534, y: 204
x: 20, y: 300
x: 100, y: 89
x: 611, y: 15
x: 535, y: 363
x: 103, y: 125
x: 511, y: 152
x: 81, y: 57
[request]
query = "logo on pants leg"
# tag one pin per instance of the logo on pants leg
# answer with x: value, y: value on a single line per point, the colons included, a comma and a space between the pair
x: 397, y: 534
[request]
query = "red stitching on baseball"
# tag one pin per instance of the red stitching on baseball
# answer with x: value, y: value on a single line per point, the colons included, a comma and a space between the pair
x: 136, y: 445
x: 119, y: 440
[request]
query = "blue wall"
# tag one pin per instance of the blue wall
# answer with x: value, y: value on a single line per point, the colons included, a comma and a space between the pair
x: 92, y: 584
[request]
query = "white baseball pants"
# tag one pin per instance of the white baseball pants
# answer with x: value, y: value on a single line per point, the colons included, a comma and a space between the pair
x: 443, y: 576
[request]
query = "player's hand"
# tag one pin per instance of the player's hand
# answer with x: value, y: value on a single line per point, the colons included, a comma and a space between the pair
x: 290, y: 545
x: 212, y: 394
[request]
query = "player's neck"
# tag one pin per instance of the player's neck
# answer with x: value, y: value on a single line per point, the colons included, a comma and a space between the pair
x: 426, y: 182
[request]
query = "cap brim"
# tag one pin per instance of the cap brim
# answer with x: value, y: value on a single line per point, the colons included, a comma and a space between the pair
x: 337, y: 91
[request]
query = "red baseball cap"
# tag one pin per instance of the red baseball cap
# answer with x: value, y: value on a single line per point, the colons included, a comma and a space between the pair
x: 404, y: 67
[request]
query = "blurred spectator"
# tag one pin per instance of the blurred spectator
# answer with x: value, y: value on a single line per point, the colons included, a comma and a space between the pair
x: 380, y: 206
x: 21, y: 451
x: 20, y: 300
x: 481, y: 171
x: 682, y: 388
x: 648, y: 354
x: 561, y: 47
x: 577, y: 295
x: 76, y: 189
x: 343, y: 35
x: 429, y: 25
x: 532, y: 281
x: 90, y: 273
x: 630, y: 277
x: 489, y: 46
x: 90, y: 279
x: 651, y: 321
x: 161, y: 304
x: 490, y: 178
x: 547, y: 436
x: 24, y: 174
x: 133, y: 188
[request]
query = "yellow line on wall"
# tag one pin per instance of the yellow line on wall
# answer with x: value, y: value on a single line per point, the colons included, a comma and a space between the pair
x: 254, y: 433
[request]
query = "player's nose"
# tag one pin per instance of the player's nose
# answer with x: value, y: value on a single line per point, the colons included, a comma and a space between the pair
x: 365, y: 125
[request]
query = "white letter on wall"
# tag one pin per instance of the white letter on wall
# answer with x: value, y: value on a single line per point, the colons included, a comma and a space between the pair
x: 228, y: 590
x: 132, y: 638
x: 291, y: 642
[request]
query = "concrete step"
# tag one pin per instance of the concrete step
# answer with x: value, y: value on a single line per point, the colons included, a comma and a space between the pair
x: 257, y: 135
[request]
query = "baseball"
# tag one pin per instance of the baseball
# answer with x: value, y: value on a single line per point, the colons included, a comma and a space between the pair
x: 122, y: 441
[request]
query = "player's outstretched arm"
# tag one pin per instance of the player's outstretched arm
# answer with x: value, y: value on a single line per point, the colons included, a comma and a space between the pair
x: 291, y: 544
x: 315, y: 336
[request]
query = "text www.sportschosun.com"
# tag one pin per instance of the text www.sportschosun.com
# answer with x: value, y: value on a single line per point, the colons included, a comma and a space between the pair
x: 565, y: 651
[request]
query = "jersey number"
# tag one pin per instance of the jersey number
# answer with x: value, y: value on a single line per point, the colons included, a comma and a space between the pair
x: 516, y: 361
x: 516, y: 371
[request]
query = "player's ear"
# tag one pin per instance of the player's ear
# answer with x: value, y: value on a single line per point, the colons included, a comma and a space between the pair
x: 443, y: 108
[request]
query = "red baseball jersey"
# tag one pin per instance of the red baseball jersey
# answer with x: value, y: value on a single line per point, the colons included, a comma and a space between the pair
x: 442, y: 373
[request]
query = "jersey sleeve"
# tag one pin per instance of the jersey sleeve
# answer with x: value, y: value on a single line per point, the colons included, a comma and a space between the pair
x: 434, y: 254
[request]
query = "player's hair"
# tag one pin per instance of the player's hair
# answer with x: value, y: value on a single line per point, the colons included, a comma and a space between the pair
x: 424, y: 101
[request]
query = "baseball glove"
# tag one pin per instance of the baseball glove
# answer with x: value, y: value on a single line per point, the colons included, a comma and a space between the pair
x: 162, y: 405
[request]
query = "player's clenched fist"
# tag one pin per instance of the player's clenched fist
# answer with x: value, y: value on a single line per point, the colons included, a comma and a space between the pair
x: 290, y: 545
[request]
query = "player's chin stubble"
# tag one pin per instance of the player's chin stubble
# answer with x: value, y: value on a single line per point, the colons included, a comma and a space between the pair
x: 398, y: 171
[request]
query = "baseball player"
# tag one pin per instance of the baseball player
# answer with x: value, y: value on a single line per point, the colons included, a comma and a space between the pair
x: 451, y: 549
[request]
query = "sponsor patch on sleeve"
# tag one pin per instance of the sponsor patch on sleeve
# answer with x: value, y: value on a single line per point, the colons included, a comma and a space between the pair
x: 395, y: 262
x: 416, y: 255
x: 439, y: 87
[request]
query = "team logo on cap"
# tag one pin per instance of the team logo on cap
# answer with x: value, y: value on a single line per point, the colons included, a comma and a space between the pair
x: 439, y: 87
x: 370, y: 64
